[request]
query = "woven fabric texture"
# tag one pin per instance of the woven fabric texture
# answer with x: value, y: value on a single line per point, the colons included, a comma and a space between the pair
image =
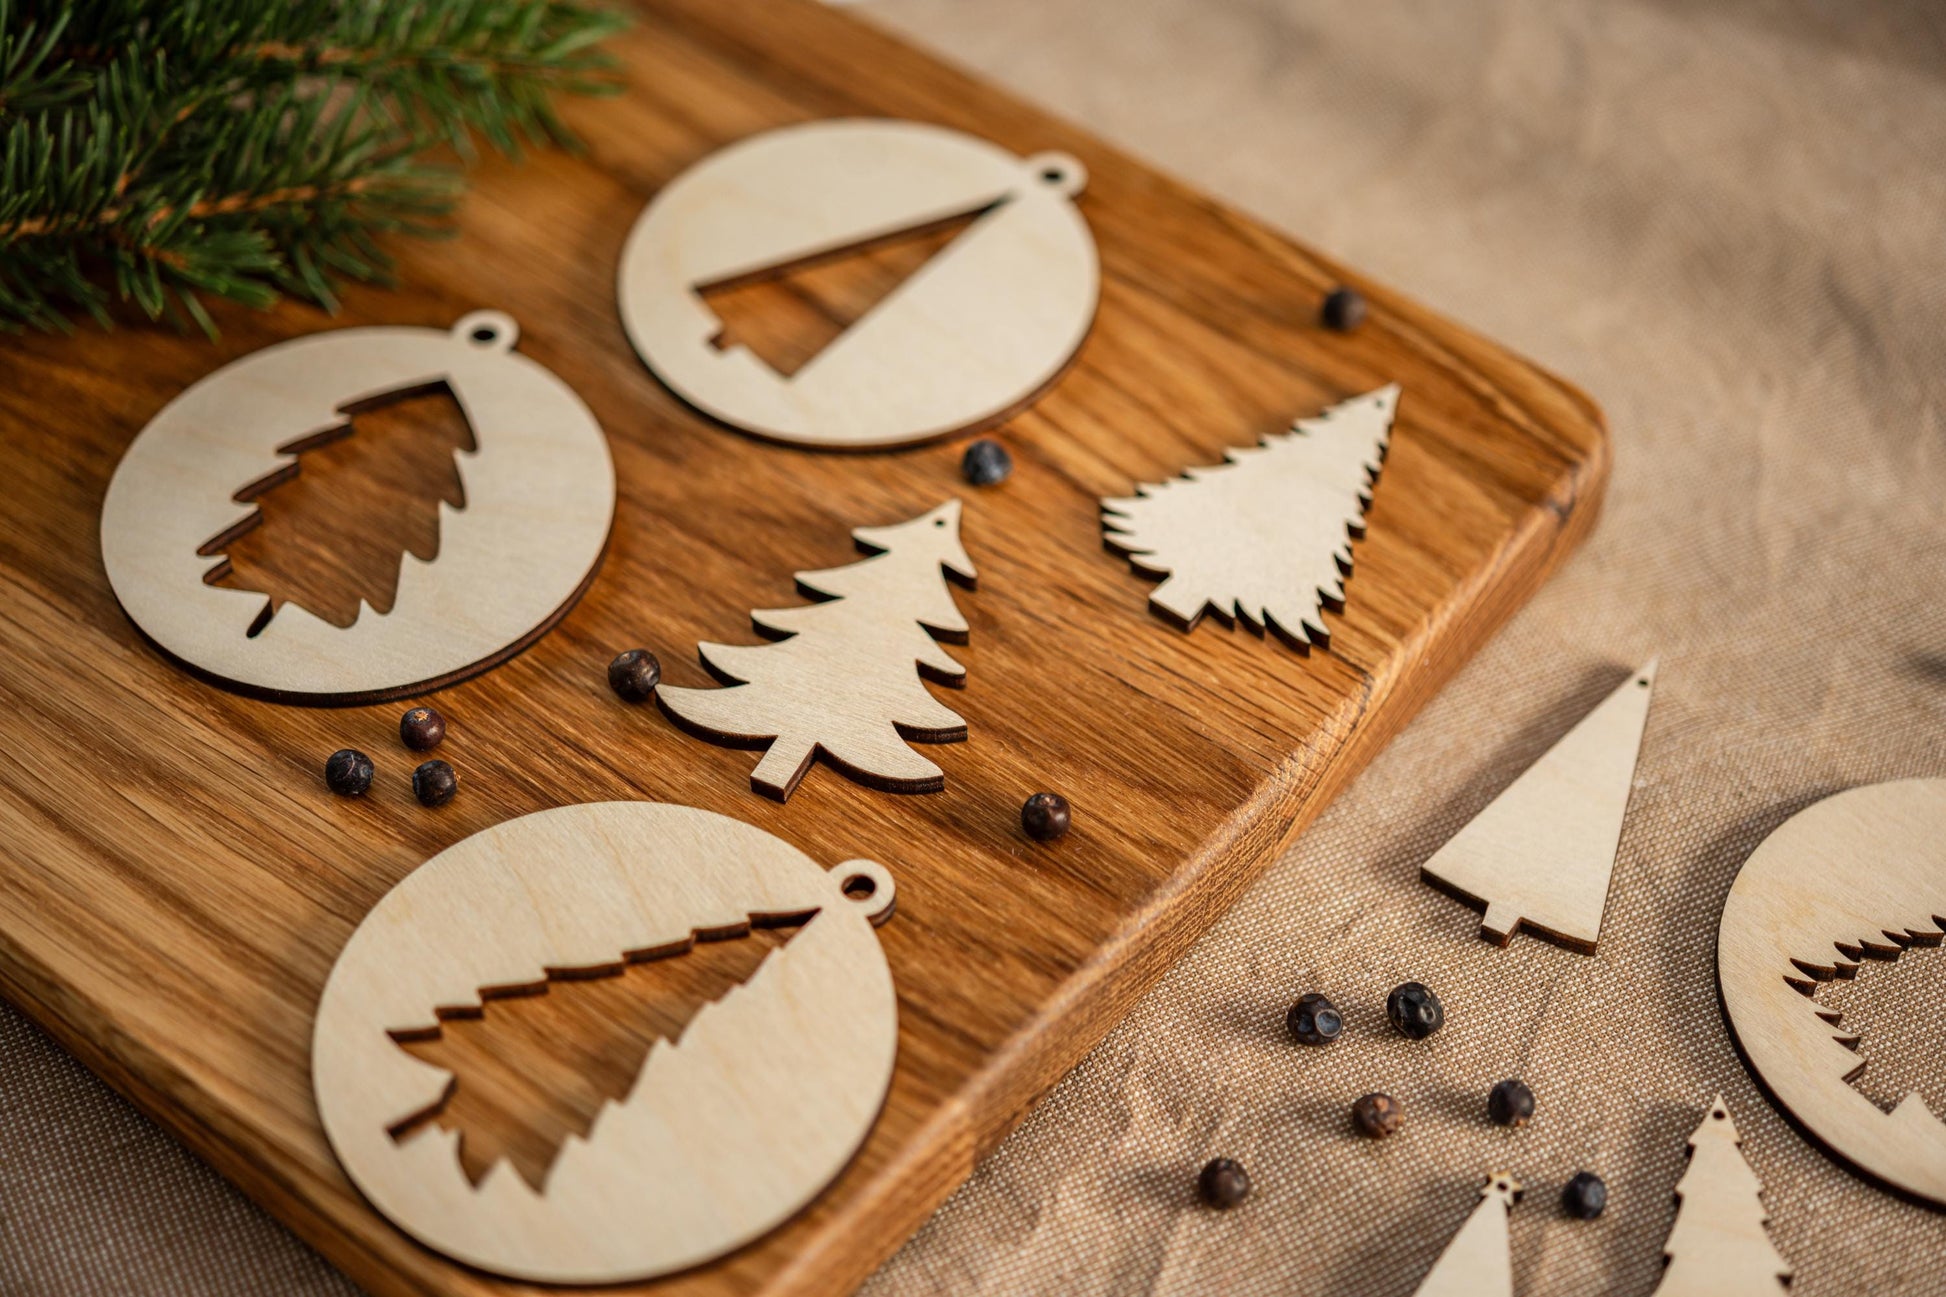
x: 1724, y: 221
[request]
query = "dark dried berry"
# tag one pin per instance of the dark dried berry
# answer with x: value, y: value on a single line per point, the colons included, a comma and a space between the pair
x: 1344, y: 310
x: 1415, y: 1010
x: 1377, y: 1115
x: 421, y: 729
x: 348, y: 772
x: 1510, y: 1103
x: 434, y: 783
x: 986, y: 461
x: 1314, y: 1020
x: 1223, y: 1183
x: 634, y: 675
x: 1584, y: 1197
x: 1045, y: 816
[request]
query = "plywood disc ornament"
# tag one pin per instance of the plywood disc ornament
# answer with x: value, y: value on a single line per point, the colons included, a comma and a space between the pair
x: 1860, y: 875
x: 1265, y: 537
x: 726, y: 1133
x: 975, y: 333
x: 539, y: 495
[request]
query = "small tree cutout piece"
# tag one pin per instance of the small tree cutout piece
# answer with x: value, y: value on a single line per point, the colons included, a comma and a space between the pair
x: 1718, y: 1246
x: 1541, y: 853
x: 1265, y: 536
x: 1479, y: 1261
x: 844, y: 679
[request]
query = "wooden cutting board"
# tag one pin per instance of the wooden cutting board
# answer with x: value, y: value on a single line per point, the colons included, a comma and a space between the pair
x: 175, y: 882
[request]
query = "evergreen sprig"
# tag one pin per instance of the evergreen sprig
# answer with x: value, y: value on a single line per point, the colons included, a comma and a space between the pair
x: 157, y: 151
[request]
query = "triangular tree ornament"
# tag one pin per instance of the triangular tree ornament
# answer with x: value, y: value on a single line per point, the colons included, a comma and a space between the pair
x: 1540, y: 855
x: 1266, y: 535
x: 1478, y: 1262
x: 845, y: 678
x: 1718, y: 1246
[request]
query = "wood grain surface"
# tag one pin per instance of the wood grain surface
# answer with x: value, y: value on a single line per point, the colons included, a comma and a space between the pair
x: 175, y: 882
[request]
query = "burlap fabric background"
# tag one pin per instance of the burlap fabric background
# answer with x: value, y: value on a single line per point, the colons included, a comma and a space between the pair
x: 1723, y: 220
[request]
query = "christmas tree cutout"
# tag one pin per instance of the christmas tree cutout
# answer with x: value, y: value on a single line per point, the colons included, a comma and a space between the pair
x: 532, y: 1070
x: 1478, y: 1262
x: 1718, y: 1246
x: 844, y: 678
x: 1264, y: 537
x: 330, y: 527
x: 1541, y: 854
x: 787, y: 315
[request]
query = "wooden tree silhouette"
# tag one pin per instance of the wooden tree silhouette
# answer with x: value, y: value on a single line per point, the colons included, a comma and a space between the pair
x: 332, y: 525
x: 1264, y: 536
x: 1478, y: 1261
x: 1718, y: 1247
x: 844, y: 680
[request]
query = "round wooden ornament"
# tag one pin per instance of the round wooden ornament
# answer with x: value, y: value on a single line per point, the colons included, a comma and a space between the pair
x: 539, y: 496
x: 1859, y: 875
x: 726, y: 1132
x: 973, y: 335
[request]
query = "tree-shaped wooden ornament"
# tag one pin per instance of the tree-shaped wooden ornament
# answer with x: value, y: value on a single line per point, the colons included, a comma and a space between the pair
x: 727, y: 1131
x: 1718, y: 1246
x: 1265, y: 536
x: 1540, y: 855
x: 1479, y: 1260
x: 845, y: 678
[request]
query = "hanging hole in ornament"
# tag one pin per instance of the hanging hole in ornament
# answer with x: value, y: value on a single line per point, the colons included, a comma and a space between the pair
x: 867, y: 885
x: 1061, y: 172
x: 488, y: 330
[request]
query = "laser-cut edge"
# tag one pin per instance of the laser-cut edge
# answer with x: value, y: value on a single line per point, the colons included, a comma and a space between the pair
x: 814, y: 1052
x: 1854, y: 956
x: 252, y: 492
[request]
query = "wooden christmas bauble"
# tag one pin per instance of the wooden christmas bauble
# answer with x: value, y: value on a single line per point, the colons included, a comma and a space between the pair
x: 1859, y: 875
x: 539, y: 491
x: 975, y: 333
x: 725, y: 1133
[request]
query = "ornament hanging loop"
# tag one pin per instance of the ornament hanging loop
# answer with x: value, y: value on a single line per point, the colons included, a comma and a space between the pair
x: 868, y: 886
x: 488, y: 330
x: 1061, y: 172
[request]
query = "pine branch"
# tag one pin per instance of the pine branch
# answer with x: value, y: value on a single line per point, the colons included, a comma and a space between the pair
x: 157, y: 151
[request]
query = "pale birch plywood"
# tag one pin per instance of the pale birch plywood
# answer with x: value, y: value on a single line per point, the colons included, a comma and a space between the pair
x: 726, y: 1132
x: 973, y: 335
x: 1541, y: 854
x: 539, y: 500
x: 1264, y: 536
x: 1718, y: 1246
x: 844, y: 679
x: 1859, y: 875
x: 178, y: 883
x: 1478, y: 1262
